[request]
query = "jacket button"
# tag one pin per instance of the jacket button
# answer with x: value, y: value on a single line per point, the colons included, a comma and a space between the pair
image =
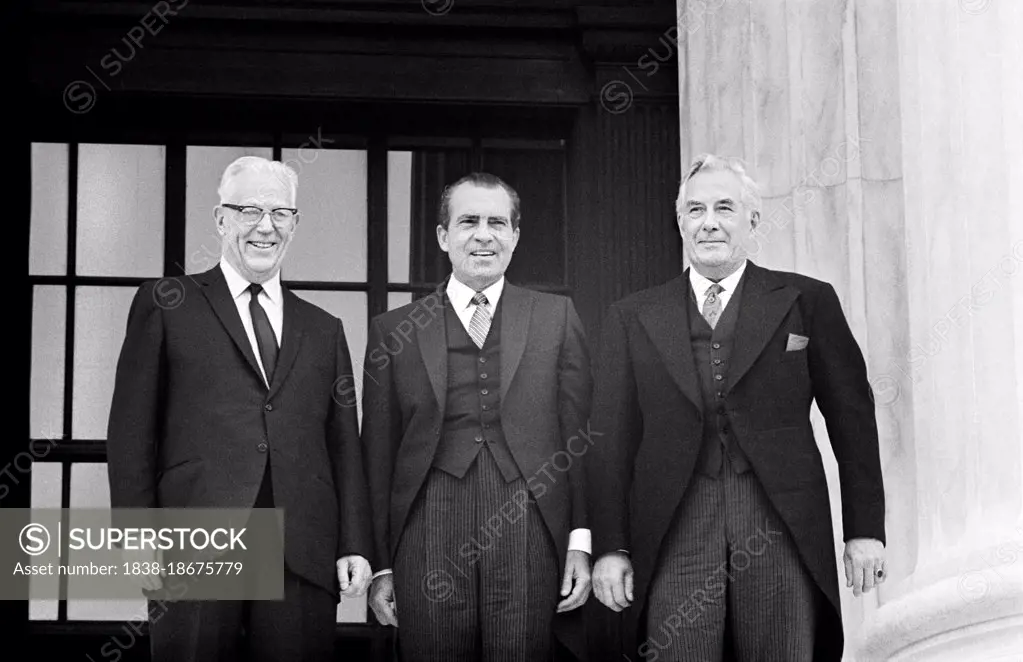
x: 718, y: 377
x: 261, y: 447
x: 479, y: 439
x: 269, y: 407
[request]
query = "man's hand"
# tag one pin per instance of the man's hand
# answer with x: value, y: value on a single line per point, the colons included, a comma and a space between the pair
x: 612, y: 580
x: 863, y: 558
x: 354, y: 574
x: 575, y: 585
x: 381, y: 600
x: 148, y: 559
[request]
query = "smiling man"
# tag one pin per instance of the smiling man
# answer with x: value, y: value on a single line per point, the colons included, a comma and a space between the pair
x: 474, y: 397
x: 708, y: 498
x: 224, y: 399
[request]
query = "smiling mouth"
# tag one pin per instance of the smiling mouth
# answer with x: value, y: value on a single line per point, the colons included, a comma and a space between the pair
x: 263, y: 244
x: 483, y: 253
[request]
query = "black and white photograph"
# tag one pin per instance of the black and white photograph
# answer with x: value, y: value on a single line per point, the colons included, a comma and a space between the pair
x: 515, y: 331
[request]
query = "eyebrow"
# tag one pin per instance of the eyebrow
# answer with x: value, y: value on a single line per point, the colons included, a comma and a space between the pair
x: 722, y: 201
x: 476, y: 217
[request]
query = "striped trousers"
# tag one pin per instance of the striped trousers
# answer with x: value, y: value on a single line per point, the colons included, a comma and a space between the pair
x: 475, y: 574
x: 729, y: 561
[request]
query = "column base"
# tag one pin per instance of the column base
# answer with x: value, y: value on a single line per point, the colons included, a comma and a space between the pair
x: 973, y: 617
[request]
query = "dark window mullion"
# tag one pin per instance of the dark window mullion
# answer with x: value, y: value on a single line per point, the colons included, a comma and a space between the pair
x: 376, y: 221
x: 174, y: 225
x: 69, y: 345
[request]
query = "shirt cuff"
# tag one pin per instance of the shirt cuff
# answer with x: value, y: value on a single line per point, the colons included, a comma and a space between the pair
x: 379, y: 573
x: 579, y: 540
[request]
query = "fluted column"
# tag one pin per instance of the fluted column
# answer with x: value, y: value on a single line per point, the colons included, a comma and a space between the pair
x: 887, y: 139
x: 961, y: 93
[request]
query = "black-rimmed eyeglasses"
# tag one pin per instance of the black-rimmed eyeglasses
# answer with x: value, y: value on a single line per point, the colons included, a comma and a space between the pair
x: 251, y: 215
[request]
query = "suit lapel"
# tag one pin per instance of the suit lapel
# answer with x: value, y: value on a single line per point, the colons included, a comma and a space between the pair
x: 291, y: 339
x: 667, y: 324
x: 433, y: 346
x: 219, y: 295
x: 764, y: 304
x: 516, y: 309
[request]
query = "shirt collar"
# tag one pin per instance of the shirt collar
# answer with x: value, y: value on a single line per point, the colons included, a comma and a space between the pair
x: 461, y: 294
x: 237, y: 283
x: 700, y: 283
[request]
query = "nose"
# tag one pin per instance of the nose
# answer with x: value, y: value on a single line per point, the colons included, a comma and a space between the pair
x: 265, y: 223
x: 483, y: 232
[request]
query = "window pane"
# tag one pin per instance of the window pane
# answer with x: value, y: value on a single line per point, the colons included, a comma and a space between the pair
x: 350, y: 308
x: 47, y: 385
x: 90, y: 489
x: 120, y: 210
x: 47, y: 253
x: 204, y: 167
x: 398, y: 299
x: 330, y: 240
x: 45, y: 494
x: 101, y: 316
x: 399, y: 215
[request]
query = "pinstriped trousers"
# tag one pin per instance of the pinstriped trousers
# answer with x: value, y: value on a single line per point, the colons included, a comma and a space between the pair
x: 729, y: 561
x: 475, y: 574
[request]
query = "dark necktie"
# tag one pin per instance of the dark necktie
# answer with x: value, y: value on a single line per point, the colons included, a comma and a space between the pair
x: 265, y: 338
x: 712, y: 304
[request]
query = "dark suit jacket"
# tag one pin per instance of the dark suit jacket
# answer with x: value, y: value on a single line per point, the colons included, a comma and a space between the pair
x: 192, y: 423
x: 545, y: 398
x: 647, y: 403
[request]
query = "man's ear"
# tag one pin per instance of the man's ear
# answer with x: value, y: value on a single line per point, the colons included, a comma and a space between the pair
x: 754, y: 219
x: 442, y: 237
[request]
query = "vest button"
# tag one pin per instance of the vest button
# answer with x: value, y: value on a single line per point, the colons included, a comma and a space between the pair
x: 486, y: 407
x: 484, y: 392
x: 483, y: 359
x: 269, y: 407
x: 717, y: 361
x: 479, y: 439
x: 716, y: 345
x: 483, y: 375
x: 261, y: 447
x: 718, y: 377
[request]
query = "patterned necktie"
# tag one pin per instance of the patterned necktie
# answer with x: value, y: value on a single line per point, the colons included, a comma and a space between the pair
x: 479, y: 325
x: 712, y: 304
x: 266, y: 340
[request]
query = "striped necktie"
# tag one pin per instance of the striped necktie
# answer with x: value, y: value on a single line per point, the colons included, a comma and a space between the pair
x: 479, y: 325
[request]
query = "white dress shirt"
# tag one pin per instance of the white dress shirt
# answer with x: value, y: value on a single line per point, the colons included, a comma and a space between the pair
x: 701, y: 285
x: 270, y: 298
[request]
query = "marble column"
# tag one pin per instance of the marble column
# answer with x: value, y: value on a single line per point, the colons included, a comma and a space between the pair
x: 961, y: 91
x: 885, y: 136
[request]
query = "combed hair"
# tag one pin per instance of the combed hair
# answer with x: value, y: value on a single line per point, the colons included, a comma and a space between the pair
x: 484, y: 180
x: 711, y: 162
x: 283, y: 172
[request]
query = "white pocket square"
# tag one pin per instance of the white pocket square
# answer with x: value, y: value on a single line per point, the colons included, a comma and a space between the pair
x: 796, y: 342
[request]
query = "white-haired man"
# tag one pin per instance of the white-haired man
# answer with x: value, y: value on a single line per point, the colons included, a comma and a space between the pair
x: 708, y: 500
x: 224, y: 398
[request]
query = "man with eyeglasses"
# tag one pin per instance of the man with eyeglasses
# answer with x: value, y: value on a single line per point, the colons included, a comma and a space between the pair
x: 225, y: 398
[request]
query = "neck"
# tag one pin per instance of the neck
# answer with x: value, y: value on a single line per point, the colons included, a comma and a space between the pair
x: 717, y: 273
x: 478, y: 284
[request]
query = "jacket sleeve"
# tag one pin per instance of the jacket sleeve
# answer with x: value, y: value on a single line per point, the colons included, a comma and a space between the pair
x: 136, y: 409
x: 345, y: 452
x: 381, y: 437
x: 617, y: 428
x: 844, y: 397
x: 575, y: 387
